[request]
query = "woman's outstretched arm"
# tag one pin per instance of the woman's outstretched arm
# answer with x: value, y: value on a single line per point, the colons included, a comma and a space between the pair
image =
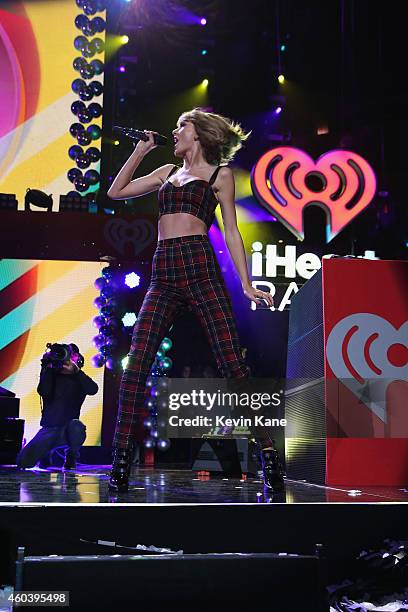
x: 123, y: 187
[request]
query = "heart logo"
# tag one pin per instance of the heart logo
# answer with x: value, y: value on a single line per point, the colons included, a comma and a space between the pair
x: 368, y: 354
x: 125, y: 236
x: 345, y: 181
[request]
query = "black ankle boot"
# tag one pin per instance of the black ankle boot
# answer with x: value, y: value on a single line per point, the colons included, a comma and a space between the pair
x: 272, y: 469
x: 70, y: 461
x: 119, y: 476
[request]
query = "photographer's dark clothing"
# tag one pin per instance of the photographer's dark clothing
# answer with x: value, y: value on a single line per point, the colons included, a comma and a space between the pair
x: 63, y: 396
x: 72, y: 435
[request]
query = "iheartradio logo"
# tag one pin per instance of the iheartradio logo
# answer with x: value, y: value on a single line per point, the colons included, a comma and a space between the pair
x: 281, y: 182
x: 367, y: 353
x: 134, y: 236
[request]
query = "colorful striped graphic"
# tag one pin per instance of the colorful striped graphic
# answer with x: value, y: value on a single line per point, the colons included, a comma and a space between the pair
x: 40, y: 302
x: 36, y: 73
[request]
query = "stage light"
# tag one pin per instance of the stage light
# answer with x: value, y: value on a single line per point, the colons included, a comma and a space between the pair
x: 124, y: 39
x: 86, y: 93
x: 37, y: 198
x: 97, y: 46
x: 100, y: 283
x: 94, y: 131
x: 129, y: 319
x: 107, y: 292
x: 82, y: 161
x: 132, y: 280
x: 98, y: 341
x: 98, y: 361
x: 122, y: 69
x: 205, y: 82
x: 124, y: 362
x: 87, y: 72
x: 106, y: 351
x: 204, y: 52
x: 77, y: 85
x: 83, y: 138
x: 281, y: 79
x: 92, y: 176
x: 94, y: 154
x: 107, y: 273
x: 98, y: 66
x: 81, y: 184
x: 110, y: 363
x: 165, y: 363
x: 99, y: 302
x: 98, y: 321
x: 81, y: 21
x: 89, y: 8
x: 283, y: 47
x: 278, y: 110
x: 84, y: 116
x: 203, y: 21
x: 323, y: 129
x: 73, y: 174
x: 95, y: 109
x: 116, y: 143
x: 163, y: 443
x: 78, y: 63
x: 75, y: 129
x: 80, y: 42
x: 166, y: 344
x: 98, y: 24
x: 96, y: 87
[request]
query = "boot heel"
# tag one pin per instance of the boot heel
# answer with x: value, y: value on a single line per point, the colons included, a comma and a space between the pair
x: 121, y: 465
x: 272, y: 469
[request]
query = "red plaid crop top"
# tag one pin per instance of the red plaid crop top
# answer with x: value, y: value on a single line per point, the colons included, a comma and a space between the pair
x: 195, y: 197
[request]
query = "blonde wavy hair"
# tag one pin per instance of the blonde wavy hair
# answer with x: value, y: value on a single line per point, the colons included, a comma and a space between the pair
x: 219, y: 137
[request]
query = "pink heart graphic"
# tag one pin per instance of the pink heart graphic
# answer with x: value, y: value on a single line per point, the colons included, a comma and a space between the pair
x: 348, y: 182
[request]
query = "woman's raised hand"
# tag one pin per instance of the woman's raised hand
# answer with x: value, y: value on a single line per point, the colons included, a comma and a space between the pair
x: 144, y: 146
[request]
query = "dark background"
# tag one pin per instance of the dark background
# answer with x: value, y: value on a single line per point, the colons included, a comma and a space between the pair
x: 343, y: 63
x: 343, y: 68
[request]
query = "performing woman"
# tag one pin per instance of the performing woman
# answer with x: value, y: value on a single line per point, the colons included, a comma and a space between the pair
x: 184, y: 268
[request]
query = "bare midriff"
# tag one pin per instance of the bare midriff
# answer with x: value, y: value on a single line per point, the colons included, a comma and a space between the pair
x: 180, y: 224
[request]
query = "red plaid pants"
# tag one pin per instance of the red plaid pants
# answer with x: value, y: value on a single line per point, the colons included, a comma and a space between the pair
x: 185, y: 271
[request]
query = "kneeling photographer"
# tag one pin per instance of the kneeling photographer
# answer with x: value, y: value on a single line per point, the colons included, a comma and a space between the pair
x: 63, y: 388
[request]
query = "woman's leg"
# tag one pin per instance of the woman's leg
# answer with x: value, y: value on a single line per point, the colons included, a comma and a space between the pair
x: 159, y: 307
x: 212, y: 306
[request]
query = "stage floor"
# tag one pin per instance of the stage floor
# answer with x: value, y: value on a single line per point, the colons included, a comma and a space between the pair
x: 89, y: 485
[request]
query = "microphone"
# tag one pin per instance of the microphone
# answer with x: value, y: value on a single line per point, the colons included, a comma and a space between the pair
x: 140, y: 135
